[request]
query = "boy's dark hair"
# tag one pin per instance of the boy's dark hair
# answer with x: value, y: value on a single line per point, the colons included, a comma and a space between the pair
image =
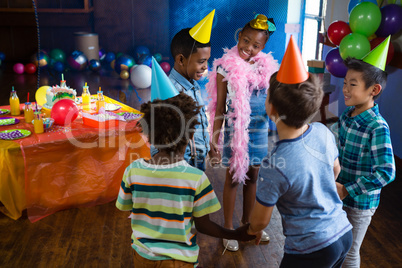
x: 169, y: 124
x: 371, y: 75
x: 296, y: 103
x: 183, y: 43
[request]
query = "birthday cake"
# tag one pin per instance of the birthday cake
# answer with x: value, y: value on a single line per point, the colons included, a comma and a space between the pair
x: 56, y: 93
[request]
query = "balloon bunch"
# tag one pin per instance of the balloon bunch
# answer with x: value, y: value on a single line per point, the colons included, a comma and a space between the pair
x: 368, y: 26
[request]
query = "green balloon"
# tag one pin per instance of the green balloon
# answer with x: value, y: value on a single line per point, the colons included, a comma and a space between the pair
x: 57, y: 55
x: 354, y: 45
x: 365, y: 18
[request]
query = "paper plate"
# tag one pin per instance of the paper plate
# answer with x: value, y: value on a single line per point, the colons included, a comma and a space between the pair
x: 13, y: 134
x: 40, y: 95
x: 112, y: 107
x: 6, y: 121
x: 4, y: 111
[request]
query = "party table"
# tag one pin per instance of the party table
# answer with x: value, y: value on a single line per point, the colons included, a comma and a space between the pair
x: 66, y: 166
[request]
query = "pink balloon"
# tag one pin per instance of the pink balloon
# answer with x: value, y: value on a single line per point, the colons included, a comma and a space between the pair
x: 64, y: 112
x: 165, y: 66
x: 18, y: 68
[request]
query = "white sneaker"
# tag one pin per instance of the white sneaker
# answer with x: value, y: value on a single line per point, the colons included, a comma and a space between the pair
x: 231, y: 245
x: 264, y: 237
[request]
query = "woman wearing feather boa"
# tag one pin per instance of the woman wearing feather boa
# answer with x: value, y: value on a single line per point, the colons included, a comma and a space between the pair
x: 240, y: 80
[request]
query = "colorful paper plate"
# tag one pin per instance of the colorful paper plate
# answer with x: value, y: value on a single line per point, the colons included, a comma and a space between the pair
x: 130, y: 116
x: 13, y: 134
x: 6, y: 121
x: 4, y: 111
x: 112, y: 107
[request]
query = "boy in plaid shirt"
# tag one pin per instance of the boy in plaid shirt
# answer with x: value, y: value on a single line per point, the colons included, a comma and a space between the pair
x: 365, y: 150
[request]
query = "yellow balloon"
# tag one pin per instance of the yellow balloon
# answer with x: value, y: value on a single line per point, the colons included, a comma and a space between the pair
x: 40, y: 95
x: 124, y: 74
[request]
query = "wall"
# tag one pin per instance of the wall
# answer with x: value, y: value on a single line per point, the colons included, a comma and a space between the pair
x: 391, y: 99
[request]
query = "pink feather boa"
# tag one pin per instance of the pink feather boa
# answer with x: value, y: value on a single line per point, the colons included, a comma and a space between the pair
x: 244, y: 78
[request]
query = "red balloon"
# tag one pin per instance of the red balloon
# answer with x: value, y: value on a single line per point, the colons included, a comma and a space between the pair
x: 376, y: 41
x: 165, y: 66
x: 64, y: 112
x: 30, y: 68
x: 337, y: 30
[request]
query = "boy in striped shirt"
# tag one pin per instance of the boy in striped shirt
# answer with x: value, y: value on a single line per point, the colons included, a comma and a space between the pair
x: 166, y: 195
x: 365, y: 149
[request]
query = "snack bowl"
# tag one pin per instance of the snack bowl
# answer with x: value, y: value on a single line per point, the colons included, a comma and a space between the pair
x: 48, y: 122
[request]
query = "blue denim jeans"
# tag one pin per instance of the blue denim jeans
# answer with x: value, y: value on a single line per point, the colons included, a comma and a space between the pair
x: 331, y: 256
x: 360, y: 220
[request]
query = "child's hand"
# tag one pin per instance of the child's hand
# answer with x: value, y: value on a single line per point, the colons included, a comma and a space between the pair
x: 214, y: 155
x: 242, y: 233
x: 257, y: 234
x: 341, y: 189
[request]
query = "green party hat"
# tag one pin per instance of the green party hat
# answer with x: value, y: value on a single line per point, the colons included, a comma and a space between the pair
x: 378, y: 56
x: 161, y: 86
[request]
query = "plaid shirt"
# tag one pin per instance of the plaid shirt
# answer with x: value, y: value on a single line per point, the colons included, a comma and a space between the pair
x: 365, y: 155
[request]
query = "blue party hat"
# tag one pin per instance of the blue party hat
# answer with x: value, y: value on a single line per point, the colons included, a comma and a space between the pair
x: 161, y: 86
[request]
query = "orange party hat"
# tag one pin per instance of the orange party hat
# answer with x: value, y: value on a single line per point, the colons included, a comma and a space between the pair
x: 292, y: 70
x: 201, y: 32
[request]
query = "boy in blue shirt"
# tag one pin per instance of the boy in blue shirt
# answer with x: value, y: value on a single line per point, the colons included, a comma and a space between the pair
x: 298, y: 175
x: 364, y: 143
x: 191, y: 54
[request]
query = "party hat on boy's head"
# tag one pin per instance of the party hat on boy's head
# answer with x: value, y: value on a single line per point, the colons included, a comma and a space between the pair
x: 201, y: 32
x: 378, y: 56
x: 161, y: 87
x: 292, y: 70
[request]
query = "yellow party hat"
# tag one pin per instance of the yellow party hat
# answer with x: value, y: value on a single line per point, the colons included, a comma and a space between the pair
x: 378, y: 56
x: 202, y: 31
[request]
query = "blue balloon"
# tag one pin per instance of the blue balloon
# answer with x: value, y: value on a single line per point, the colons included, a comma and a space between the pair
x: 58, y: 66
x: 124, y: 62
x: 94, y: 65
x: 141, y: 50
x: 353, y: 3
x: 77, y: 60
x: 146, y: 60
x: 110, y: 57
x: 102, y: 54
x: 2, y: 56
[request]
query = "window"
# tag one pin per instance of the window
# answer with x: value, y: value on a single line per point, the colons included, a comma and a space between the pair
x: 312, y: 25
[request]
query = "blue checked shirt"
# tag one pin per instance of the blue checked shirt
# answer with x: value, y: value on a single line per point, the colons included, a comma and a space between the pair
x: 365, y: 155
x: 201, y: 135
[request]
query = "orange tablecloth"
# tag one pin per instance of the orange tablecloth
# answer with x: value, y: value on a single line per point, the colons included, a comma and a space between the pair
x: 65, y: 167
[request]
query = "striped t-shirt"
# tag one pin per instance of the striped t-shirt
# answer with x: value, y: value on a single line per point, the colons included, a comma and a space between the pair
x: 163, y: 200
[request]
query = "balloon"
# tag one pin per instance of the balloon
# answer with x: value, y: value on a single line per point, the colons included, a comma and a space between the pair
x: 158, y: 57
x: 124, y: 62
x: 77, y: 60
x: 102, y: 54
x: 354, y: 45
x: 146, y: 60
x: 58, y: 66
x: 353, y: 3
x: 64, y: 112
x: 94, y: 65
x: 30, y: 68
x: 110, y: 57
x: 40, y: 95
x: 165, y: 66
x: 141, y: 50
x: 43, y: 59
x: 338, y: 30
x: 141, y: 76
x: 124, y: 74
x: 365, y: 18
x: 334, y: 63
x: 18, y: 68
x: 2, y: 56
x: 376, y: 41
x: 391, y: 20
x: 58, y: 55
